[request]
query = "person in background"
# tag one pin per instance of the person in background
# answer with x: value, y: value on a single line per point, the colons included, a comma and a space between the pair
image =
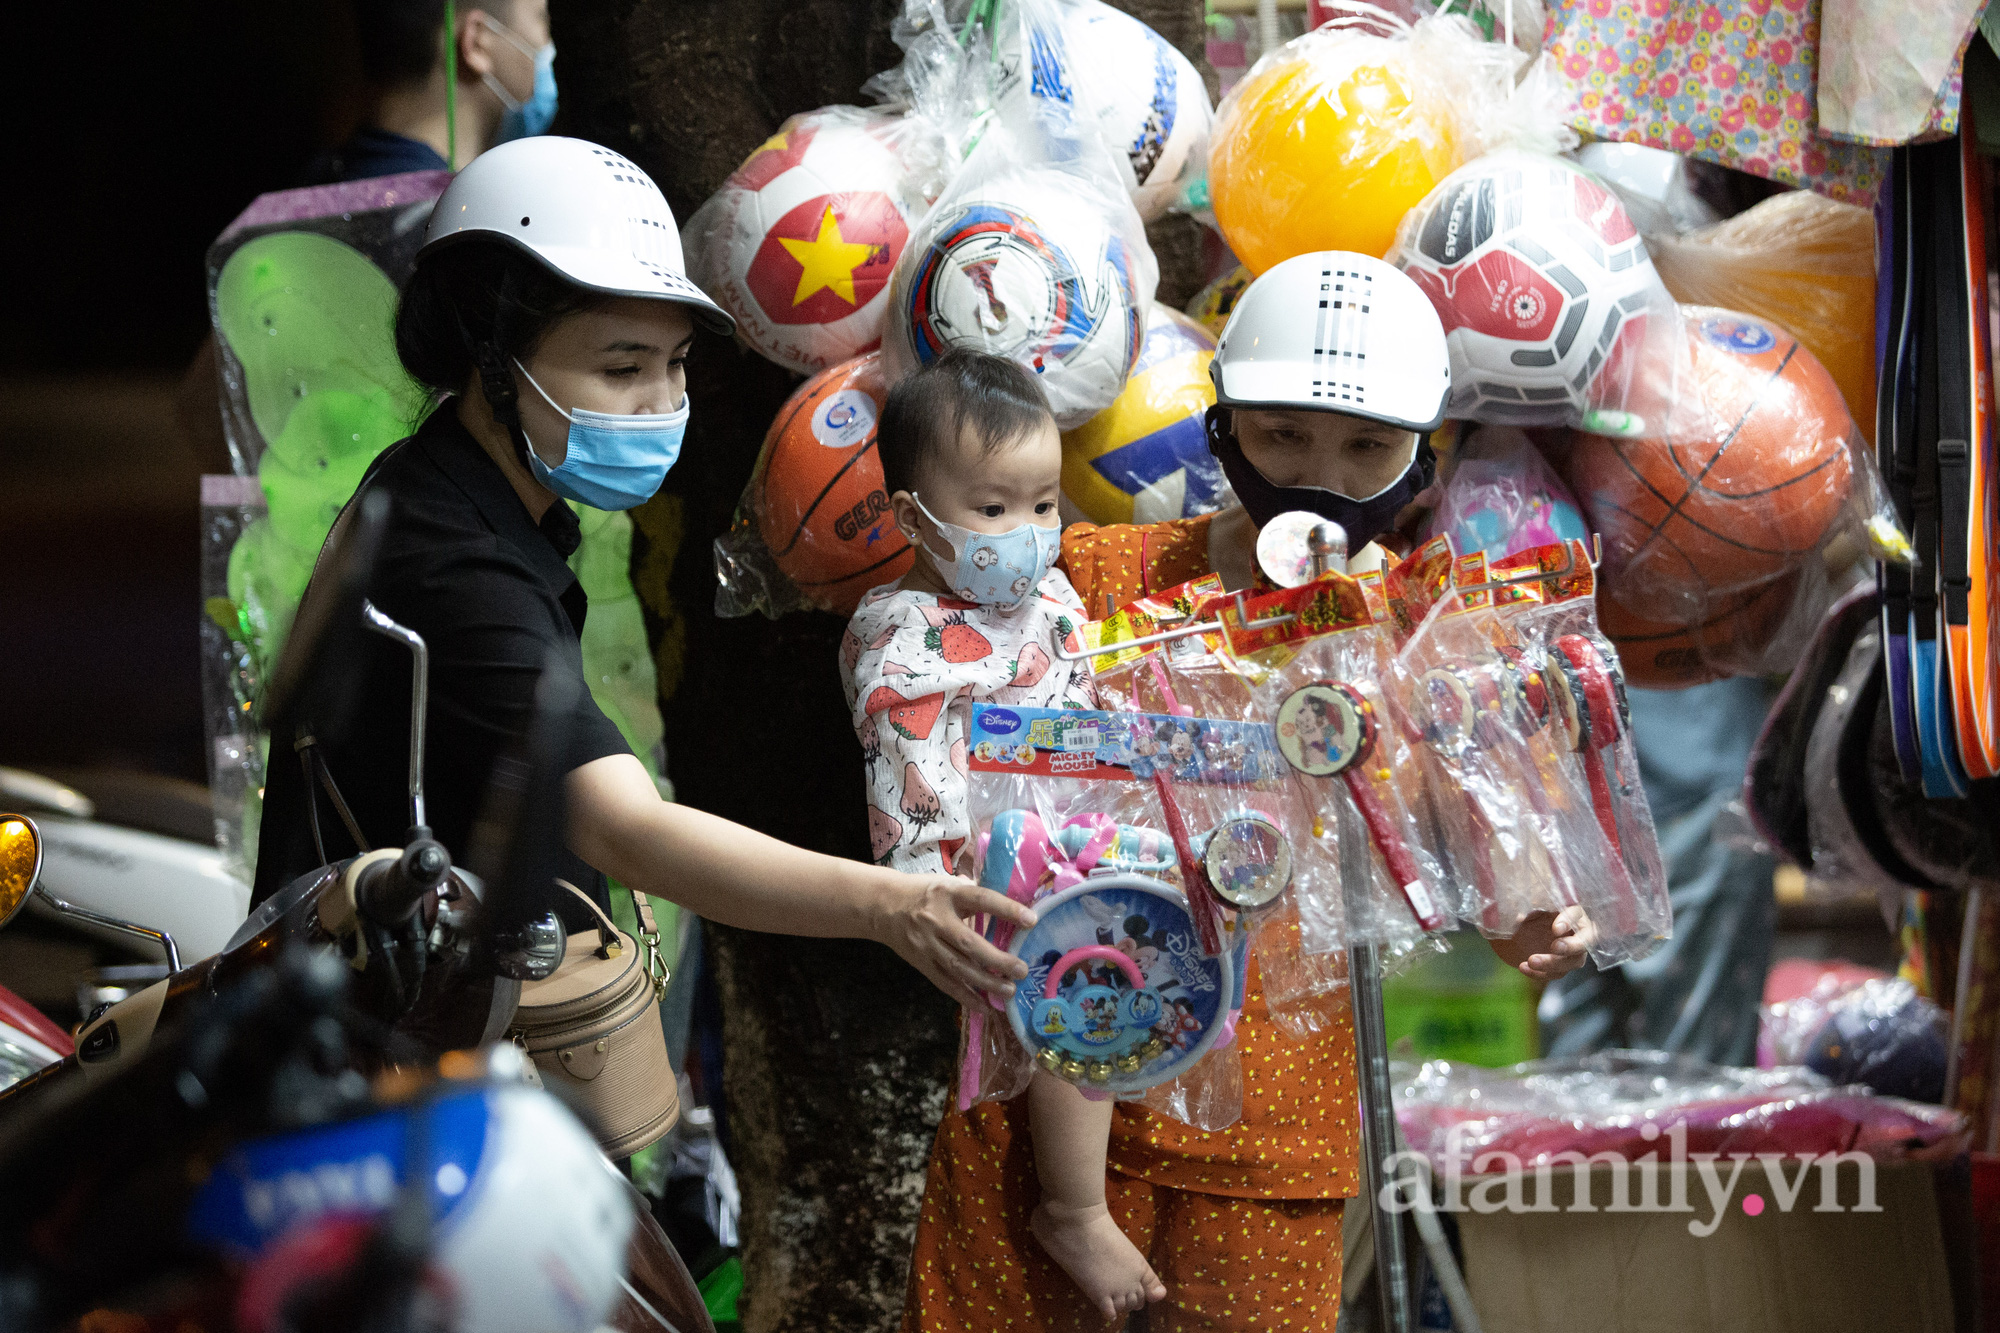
x: 506, y: 86
x: 1698, y: 993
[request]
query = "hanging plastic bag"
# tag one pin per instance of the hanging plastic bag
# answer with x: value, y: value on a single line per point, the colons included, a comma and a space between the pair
x: 1128, y: 988
x: 1800, y: 262
x: 799, y: 242
x: 1035, y: 252
x: 1501, y: 496
x: 1323, y: 660
x: 1571, y: 673
x: 1263, y: 817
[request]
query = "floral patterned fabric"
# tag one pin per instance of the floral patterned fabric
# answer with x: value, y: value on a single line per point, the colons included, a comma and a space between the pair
x: 1732, y: 81
x: 1891, y: 74
x: 913, y: 664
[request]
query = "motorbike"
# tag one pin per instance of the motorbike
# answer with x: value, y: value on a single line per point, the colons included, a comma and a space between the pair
x: 358, y: 980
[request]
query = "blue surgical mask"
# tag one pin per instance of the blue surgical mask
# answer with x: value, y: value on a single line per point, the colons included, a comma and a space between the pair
x: 614, y: 461
x: 994, y: 568
x: 526, y: 119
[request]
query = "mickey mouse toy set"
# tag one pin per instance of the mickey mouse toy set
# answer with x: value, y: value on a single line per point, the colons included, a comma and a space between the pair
x: 1460, y: 730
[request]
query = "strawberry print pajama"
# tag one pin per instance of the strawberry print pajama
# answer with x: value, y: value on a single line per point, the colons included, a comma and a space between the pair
x: 913, y: 665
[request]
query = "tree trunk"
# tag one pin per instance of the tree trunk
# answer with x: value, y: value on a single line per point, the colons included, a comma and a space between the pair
x: 837, y: 1055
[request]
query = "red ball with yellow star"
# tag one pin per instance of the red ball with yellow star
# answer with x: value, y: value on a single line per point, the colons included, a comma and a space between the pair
x: 800, y: 241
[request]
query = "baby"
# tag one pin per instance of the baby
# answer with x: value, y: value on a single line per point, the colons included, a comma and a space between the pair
x: 972, y: 463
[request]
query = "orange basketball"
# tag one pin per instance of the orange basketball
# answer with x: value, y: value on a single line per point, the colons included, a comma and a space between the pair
x: 1726, y: 638
x: 1754, y: 471
x: 818, y: 494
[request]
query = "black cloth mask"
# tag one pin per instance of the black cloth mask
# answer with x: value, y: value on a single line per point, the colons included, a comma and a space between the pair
x: 1363, y: 520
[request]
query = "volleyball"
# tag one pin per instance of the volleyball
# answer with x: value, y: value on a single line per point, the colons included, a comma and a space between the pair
x: 818, y: 496
x: 1541, y: 280
x: 799, y: 242
x: 1145, y: 458
x: 1024, y: 267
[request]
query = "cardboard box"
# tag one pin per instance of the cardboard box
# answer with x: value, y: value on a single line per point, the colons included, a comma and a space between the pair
x: 1778, y: 1271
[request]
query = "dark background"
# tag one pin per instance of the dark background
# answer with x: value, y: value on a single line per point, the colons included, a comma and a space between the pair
x: 146, y: 127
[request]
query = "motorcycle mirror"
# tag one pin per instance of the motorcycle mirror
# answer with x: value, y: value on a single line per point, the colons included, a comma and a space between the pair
x: 328, y: 620
x: 20, y: 863
x: 516, y: 845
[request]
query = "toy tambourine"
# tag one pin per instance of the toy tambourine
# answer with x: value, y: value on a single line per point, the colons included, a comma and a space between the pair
x: 1327, y: 728
x: 1119, y: 995
x: 1247, y: 860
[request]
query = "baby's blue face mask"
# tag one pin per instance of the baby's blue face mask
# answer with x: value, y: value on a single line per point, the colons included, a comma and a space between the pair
x: 613, y: 461
x: 526, y: 119
x: 993, y: 568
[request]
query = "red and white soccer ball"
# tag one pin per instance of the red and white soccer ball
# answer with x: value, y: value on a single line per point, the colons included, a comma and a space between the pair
x: 799, y: 242
x: 1543, y: 283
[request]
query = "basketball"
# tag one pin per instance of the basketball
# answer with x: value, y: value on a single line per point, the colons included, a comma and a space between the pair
x: 1727, y: 638
x: 1752, y: 474
x: 818, y: 495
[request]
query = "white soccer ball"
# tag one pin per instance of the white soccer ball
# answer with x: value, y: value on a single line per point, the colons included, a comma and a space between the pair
x: 1151, y: 104
x: 1025, y: 265
x: 1543, y: 283
x: 800, y: 241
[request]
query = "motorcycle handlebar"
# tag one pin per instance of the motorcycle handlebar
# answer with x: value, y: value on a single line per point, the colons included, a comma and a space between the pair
x: 388, y: 891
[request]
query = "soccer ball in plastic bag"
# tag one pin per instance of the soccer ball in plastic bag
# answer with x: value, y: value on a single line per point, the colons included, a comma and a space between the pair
x: 1541, y: 281
x: 1145, y: 458
x: 1022, y: 267
x: 1150, y: 103
x: 799, y: 242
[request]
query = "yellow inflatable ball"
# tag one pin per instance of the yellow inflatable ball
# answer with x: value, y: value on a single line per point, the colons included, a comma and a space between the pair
x: 1145, y: 458
x: 1326, y: 148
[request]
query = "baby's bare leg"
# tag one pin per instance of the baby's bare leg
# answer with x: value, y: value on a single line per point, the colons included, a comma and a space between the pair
x: 1072, y: 1134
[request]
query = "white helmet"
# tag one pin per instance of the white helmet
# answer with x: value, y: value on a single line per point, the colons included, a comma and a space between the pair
x: 586, y: 212
x: 1336, y: 331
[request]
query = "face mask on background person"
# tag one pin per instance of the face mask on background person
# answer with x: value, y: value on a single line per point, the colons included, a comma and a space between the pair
x: 1364, y: 518
x: 614, y: 461
x: 993, y: 568
x: 534, y: 116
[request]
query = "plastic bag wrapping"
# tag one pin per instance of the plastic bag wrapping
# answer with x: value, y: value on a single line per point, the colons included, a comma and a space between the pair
x: 1751, y: 474
x: 1570, y: 674
x: 1517, y: 830
x: 1323, y: 663
x: 231, y: 685
x: 1331, y: 138
x: 1305, y: 992
x: 1552, y: 310
x: 1631, y: 1103
x: 1656, y: 187
x: 1068, y: 815
x: 1802, y: 263
x: 964, y: 64
x: 1034, y: 251
x: 1145, y: 458
x: 1875, y: 1031
x: 1501, y: 496
x: 799, y: 242
x: 813, y: 528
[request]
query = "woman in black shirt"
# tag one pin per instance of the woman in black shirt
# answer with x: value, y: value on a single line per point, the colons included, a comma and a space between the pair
x: 551, y: 314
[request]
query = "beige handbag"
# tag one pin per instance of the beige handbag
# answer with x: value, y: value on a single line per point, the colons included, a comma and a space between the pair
x: 593, y: 1030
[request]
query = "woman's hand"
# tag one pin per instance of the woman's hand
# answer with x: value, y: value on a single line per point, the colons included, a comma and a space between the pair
x: 923, y: 918
x: 1548, y: 944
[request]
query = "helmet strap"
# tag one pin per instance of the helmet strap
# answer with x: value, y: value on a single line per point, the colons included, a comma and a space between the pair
x: 503, y: 396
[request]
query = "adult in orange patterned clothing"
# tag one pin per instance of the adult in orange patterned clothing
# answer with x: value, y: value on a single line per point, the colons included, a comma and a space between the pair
x: 1329, y: 377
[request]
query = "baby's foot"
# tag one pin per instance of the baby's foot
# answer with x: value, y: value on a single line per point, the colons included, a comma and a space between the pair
x: 1105, y: 1265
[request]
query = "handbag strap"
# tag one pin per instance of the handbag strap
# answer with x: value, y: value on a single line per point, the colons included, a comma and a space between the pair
x: 649, y: 935
x: 607, y: 933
